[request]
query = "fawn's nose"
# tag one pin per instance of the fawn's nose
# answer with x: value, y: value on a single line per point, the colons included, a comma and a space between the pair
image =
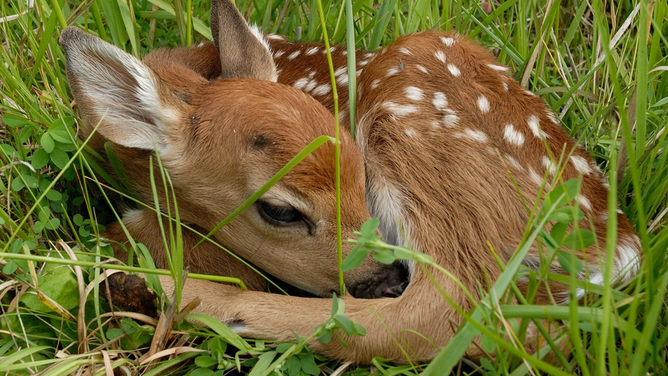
x: 389, y: 282
x: 395, y: 291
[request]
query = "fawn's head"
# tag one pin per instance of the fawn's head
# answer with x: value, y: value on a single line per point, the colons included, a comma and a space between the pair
x: 220, y: 140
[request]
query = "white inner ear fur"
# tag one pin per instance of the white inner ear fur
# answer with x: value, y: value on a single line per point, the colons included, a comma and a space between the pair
x: 257, y: 33
x: 132, y: 112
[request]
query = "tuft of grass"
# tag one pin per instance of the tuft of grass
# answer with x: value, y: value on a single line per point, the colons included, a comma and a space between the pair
x: 601, y: 66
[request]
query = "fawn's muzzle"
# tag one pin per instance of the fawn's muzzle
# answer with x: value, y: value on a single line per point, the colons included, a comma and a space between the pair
x: 389, y: 283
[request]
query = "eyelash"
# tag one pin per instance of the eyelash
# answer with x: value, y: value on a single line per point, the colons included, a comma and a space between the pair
x: 279, y: 215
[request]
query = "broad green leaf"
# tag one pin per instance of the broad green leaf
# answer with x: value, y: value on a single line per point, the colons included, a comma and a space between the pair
x: 205, y: 361
x: 579, y: 239
x: 59, y: 132
x: 385, y: 257
x: 59, y: 158
x: 338, y: 306
x: 60, y: 284
x: 569, y: 262
x: 13, y: 120
x: 54, y: 195
x: 562, y: 194
x: 47, y: 142
x: 202, y: 372
x: 354, y: 258
x: 344, y: 323
x: 558, y: 232
x: 309, y: 366
x: 17, y: 184
x: 326, y: 337
x: 39, y: 158
x: 293, y: 365
x: 567, y: 214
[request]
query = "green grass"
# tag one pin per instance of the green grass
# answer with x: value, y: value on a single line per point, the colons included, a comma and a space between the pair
x: 601, y: 66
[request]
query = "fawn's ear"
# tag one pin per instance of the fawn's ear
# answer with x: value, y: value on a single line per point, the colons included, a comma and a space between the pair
x: 113, y: 88
x: 244, y: 53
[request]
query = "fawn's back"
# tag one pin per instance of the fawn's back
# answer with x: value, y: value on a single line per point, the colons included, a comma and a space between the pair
x: 443, y: 127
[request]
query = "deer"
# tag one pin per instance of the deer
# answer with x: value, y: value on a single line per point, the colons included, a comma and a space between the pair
x: 440, y: 124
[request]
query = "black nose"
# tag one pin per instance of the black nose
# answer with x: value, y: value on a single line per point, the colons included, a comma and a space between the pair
x: 390, y: 282
x: 395, y: 291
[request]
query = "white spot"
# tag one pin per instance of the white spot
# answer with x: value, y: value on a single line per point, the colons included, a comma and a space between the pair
x: 312, y: 74
x: 410, y: 132
x: 332, y: 49
x: 421, y: 68
x: 440, y: 101
x: 342, y: 80
x: 311, y: 85
x: 549, y: 165
x: 483, y: 104
x: 472, y: 134
x: 595, y: 277
x: 400, y: 109
x: 603, y: 216
x: 312, y: 51
x: 627, y: 260
x: 294, y: 55
x: 584, y: 202
x: 605, y: 182
x: 535, y: 177
x: 581, y: 165
x: 435, y: 124
x: 414, y: 93
x: 513, y: 162
x: 450, y: 119
x: 440, y: 55
x: 344, y: 53
x: 363, y: 63
x: 499, y: 68
x: 619, y: 211
x: 358, y: 72
x: 369, y: 55
x: 513, y: 136
x: 342, y: 115
x: 505, y: 86
x: 405, y: 51
x: 322, y: 89
x: 275, y: 37
x: 530, y: 93
x: 448, y: 41
x: 454, y: 70
x: 534, y: 125
x: 392, y: 71
x: 278, y: 72
x: 300, y: 83
x: 374, y: 83
x: 341, y: 70
x: 550, y: 115
x: 278, y: 54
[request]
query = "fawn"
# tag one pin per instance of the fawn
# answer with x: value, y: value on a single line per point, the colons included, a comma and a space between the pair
x: 439, y: 122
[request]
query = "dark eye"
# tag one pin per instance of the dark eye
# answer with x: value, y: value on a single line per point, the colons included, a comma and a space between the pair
x: 280, y: 215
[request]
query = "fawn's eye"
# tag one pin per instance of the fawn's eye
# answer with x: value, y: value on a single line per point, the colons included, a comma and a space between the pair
x: 279, y: 214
